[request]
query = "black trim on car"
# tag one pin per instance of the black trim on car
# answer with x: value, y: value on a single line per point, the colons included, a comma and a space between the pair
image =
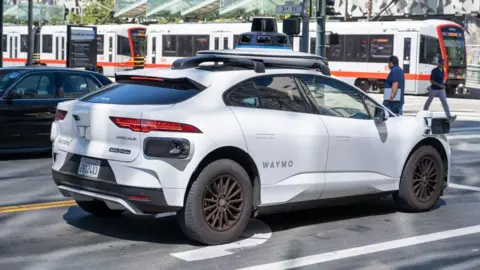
x: 156, y: 204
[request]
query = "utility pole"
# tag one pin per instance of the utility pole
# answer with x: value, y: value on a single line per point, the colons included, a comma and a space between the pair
x: 369, y: 10
x: 1, y: 34
x: 346, y: 10
x: 320, y: 16
x: 305, y: 28
x: 30, y: 33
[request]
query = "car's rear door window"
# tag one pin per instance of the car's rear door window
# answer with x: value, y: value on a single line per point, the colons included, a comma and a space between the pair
x: 38, y: 85
x: 279, y: 93
x: 76, y: 85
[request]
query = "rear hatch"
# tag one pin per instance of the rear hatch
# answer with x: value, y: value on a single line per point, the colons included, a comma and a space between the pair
x: 108, y: 124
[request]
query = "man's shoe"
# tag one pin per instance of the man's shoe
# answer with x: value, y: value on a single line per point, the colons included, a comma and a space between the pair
x: 452, y: 118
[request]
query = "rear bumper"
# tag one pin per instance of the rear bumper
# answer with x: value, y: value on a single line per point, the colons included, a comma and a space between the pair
x: 82, y: 188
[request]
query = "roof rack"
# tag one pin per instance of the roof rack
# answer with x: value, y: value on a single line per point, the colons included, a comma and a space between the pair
x: 275, y: 60
x: 195, y: 61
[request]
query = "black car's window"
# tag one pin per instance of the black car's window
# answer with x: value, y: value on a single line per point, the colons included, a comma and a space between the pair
x: 76, y: 85
x: 336, y: 99
x: 37, y: 86
x: 268, y: 92
x: 104, y: 80
x: 146, y: 92
x: 7, y: 78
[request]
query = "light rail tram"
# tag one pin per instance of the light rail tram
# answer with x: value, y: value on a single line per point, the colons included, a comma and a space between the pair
x: 360, y: 58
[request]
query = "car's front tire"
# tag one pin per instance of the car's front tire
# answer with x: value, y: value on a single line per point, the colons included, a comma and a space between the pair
x: 98, y: 208
x: 218, y: 205
x: 422, y: 180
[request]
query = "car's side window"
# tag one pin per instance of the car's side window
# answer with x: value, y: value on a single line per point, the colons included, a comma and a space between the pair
x: 92, y: 84
x: 243, y: 95
x: 77, y: 85
x: 37, y: 86
x: 280, y: 93
x: 336, y: 99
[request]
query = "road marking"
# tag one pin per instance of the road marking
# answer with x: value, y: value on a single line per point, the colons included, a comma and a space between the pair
x: 452, y: 185
x: 362, y: 250
x: 460, y: 137
x: 36, y: 206
x: 255, y: 234
x: 465, y: 129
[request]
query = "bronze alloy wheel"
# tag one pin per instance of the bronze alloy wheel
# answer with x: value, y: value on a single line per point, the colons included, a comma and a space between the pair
x: 223, y: 203
x: 425, y: 178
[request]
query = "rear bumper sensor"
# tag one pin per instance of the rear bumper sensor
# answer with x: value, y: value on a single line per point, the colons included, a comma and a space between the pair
x: 137, y: 200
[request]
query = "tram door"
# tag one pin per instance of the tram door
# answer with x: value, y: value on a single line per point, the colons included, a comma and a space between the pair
x: 408, y: 59
x: 13, y: 43
x: 221, y: 40
x: 154, y: 48
x: 110, y: 40
x: 59, y: 47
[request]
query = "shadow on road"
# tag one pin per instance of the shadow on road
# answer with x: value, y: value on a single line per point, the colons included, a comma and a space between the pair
x: 23, y: 156
x: 166, y: 230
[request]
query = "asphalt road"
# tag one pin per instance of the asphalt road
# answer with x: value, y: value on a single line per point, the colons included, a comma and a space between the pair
x: 364, y: 236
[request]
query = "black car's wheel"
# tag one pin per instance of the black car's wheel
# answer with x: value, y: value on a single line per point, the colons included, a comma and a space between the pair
x: 422, y: 180
x: 218, y: 205
x: 98, y: 208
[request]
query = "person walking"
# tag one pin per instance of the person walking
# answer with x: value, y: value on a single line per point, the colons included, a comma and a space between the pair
x: 437, y: 89
x: 394, y: 95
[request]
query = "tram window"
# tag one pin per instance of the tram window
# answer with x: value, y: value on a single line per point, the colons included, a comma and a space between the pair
x: 356, y: 48
x: 4, y: 42
x: 429, y: 50
x: 123, y: 46
x: 47, y: 41
x: 236, y: 38
x: 100, y: 44
x: 169, y: 47
x: 23, y: 43
x: 381, y: 48
x: 185, y: 46
x: 202, y: 43
x: 336, y: 52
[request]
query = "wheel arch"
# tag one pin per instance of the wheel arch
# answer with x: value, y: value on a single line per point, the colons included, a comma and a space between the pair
x: 437, y: 144
x: 241, y: 157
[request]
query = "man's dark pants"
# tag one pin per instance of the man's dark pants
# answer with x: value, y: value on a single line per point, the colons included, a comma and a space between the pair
x: 394, y: 106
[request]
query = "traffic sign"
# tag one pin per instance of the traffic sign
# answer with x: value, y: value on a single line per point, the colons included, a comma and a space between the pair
x: 288, y: 8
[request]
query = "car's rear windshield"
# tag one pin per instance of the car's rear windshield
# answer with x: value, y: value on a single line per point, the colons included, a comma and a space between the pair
x: 143, y: 91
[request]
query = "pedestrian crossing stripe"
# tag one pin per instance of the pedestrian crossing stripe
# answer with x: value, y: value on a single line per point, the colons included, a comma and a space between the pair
x: 465, y: 116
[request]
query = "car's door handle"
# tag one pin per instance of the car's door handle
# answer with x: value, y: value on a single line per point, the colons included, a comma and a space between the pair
x: 265, y: 136
x: 343, y: 138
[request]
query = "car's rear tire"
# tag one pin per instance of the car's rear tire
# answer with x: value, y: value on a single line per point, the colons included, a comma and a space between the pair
x: 98, y: 208
x: 233, y: 203
x: 422, y: 181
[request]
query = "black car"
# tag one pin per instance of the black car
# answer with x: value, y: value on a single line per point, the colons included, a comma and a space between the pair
x: 28, y: 102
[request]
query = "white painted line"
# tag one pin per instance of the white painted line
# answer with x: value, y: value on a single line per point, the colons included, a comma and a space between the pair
x: 462, y: 137
x: 357, y: 251
x: 452, y: 185
x: 259, y: 233
x: 465, y: 129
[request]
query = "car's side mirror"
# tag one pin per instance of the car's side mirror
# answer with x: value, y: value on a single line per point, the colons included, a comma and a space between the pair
x: 380, y: 115
x: 15, y: 94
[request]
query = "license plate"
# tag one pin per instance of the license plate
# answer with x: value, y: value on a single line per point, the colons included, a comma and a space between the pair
x: 89, y: 167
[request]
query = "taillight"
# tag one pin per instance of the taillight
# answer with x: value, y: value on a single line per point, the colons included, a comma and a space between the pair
x: 60, y: 115
x: 143, y: 125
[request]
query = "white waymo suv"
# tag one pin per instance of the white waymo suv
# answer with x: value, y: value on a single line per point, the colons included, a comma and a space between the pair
x: 216, y: 143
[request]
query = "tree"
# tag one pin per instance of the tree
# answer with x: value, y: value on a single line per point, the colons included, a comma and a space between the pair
x: 95, y: 14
